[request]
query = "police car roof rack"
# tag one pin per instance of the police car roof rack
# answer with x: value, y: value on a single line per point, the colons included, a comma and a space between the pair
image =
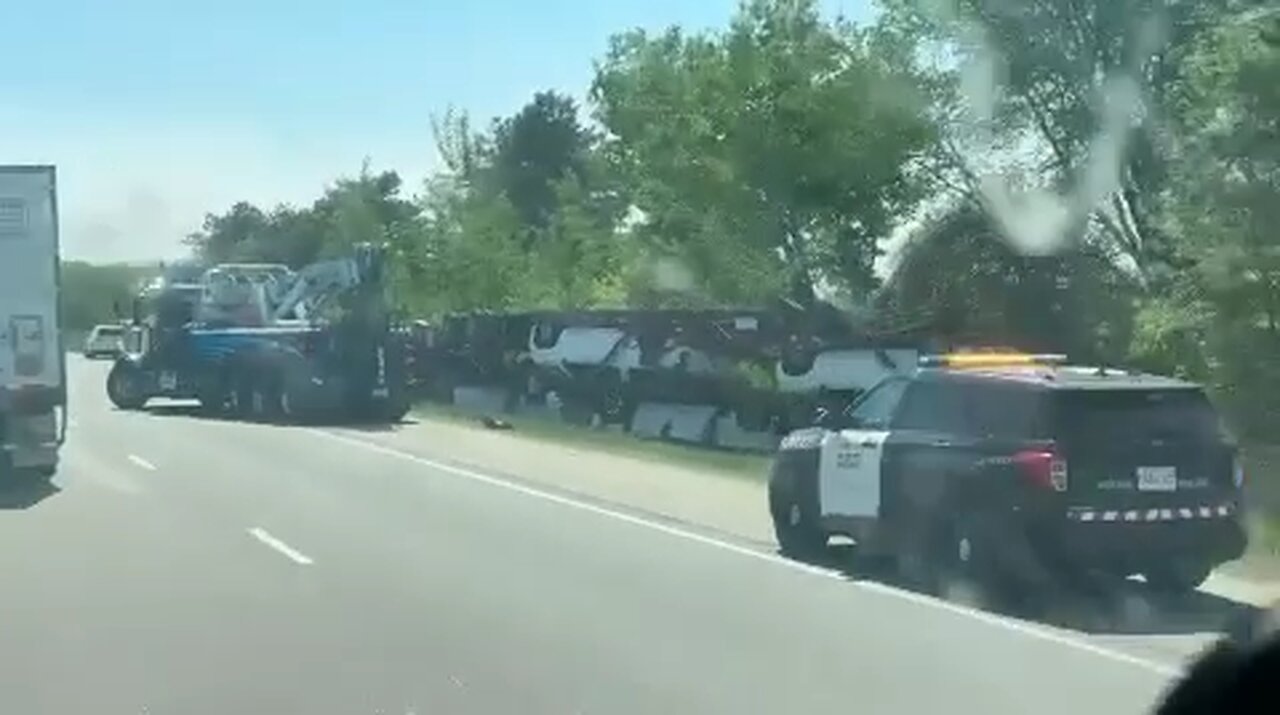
x: 979, y: 360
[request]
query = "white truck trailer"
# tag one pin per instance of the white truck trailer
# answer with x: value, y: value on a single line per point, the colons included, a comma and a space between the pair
x: 33, y: 386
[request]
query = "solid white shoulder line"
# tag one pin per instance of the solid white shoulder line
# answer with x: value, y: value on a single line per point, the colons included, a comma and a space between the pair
x: 1027, y: 629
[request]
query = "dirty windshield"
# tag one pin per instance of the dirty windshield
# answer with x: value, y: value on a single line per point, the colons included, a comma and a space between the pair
x: 623, y: 356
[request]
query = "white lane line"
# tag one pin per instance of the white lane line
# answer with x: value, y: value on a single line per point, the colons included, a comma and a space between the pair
x: 142, y: 463
x: 1026, y: 629
x: 291, y: 553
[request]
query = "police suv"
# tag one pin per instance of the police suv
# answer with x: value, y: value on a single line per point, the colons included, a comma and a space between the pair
x: 1018, y: 469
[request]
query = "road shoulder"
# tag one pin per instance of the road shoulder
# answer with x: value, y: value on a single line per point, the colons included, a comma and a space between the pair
x: 731, y: 503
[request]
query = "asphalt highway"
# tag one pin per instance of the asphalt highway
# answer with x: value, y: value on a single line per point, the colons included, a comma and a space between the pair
x: 185, y: 565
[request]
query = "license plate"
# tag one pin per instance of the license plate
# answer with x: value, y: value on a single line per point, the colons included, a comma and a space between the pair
x: 168, y: 380
x: 1157, y: 479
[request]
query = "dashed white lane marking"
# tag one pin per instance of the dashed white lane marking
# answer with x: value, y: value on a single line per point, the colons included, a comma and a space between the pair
x: 1026, y: 629
x: 142, y: 463
x: 289, y: 552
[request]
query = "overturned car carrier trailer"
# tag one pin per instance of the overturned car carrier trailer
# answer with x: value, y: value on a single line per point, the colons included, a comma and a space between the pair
x: 736, y: 378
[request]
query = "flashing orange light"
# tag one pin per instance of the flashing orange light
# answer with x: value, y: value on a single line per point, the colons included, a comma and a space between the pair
x: 981, y: 360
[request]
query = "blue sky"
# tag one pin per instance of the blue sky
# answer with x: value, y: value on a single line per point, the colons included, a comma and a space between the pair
x: 156, y: 112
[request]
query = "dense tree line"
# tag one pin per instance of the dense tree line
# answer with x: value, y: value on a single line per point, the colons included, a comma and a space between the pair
x: 1099, y: 176
x: 95, y: 294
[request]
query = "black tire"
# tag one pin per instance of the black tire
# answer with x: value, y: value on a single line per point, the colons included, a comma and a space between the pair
x: 937, y: 558
x: 212, y: 401
x: 795, y: 519
x: 1177, y: 578
x: 287, y: 408
x: 264, y: 399
x: 798, y: 358
x: 240, y: 395
x: 395, y: 409
x: 963, y: 563
x: 126, y: 387
x: 615, y: 408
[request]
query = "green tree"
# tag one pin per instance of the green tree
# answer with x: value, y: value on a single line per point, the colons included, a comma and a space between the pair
x: 94, y: 294
x: 240, y: 233
x: 366, y: 208
x: 958, y: 278
x: 1077, y: 94
x: 1224, y: 205
x: 534, y: 150
x: 767, y: 158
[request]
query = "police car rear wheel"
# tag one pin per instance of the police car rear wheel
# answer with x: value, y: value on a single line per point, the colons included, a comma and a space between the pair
x: 960, y: 577
x: 795, y: 529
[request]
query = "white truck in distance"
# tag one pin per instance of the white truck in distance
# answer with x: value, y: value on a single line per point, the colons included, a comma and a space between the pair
x: 32, y: 361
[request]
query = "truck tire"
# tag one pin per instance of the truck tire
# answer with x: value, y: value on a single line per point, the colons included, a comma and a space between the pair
x: 125, y: 387
x: 1177, y: 578
x: 212, y: 402
x: 264, y: 399
x: 795, y: 518
x: 240, y: 395
x: 396, y: 408
x: 286, y: 405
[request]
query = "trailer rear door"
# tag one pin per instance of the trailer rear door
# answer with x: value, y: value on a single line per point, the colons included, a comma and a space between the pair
x: 31, y: 356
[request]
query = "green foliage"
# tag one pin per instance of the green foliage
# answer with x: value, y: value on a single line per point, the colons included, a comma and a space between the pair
x: 772, y: 158
x: 1074, y: 97
x: 533, y: 150
x: 959, y: 276
x: 768, y: 157
x: 1224, y: 205
x: 93, y: 294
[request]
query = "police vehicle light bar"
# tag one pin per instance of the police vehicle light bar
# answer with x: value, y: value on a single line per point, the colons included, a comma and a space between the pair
x: 981, y: 360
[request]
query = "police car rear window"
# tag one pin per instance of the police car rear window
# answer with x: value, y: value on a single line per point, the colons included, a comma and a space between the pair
x: 978, y: 409
x: 1123, y: 415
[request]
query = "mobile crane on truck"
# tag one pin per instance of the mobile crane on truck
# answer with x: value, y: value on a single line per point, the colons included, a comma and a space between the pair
x: 263, y: 342
x: 33, y: 385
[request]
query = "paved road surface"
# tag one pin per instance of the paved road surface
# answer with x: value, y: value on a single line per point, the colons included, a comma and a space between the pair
x: 192, y: 566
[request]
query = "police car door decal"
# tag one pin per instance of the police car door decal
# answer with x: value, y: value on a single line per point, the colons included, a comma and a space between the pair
x: 849, y: 472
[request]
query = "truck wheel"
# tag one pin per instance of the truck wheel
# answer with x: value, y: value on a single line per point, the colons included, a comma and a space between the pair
x: 794, y: 520
x: 125, y: 387
x: 396, y: 409
x: 240, y: 396
x: 212, y: 402
x: 286, y: 405
x: 264, y: 400
x: 1177, y: 578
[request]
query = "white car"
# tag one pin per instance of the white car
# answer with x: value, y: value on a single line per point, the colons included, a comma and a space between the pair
x: 104, y: 341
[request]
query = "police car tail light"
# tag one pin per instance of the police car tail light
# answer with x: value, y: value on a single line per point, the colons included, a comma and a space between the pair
x: 1043, y: 468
